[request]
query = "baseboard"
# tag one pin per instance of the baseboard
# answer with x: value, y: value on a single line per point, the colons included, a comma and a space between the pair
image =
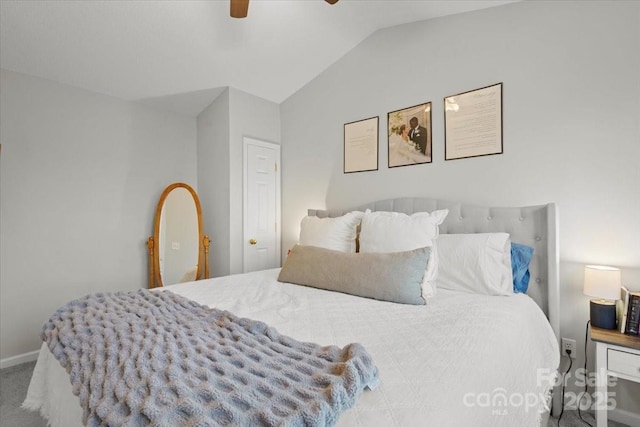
x: 17, y: 360
x: 625, y: 417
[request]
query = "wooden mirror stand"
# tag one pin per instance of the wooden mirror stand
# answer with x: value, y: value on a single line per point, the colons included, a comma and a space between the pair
x: 176, y: 215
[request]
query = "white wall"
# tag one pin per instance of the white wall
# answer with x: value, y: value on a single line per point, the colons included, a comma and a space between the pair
x: 571, y: 127
x: 80, y: 177
x: 256, y: 118
x: 221, y: 128
x: 213, y: 180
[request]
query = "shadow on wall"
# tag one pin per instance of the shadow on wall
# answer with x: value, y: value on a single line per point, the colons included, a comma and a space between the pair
x: 188, y: 103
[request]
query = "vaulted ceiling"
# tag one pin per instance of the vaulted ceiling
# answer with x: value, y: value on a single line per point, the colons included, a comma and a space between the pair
x: 180, y: 54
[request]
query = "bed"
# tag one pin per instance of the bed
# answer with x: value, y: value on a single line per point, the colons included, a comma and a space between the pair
x: 463, y: 359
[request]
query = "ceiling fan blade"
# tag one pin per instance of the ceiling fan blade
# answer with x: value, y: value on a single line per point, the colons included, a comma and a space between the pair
x: 239, y: 8
x: 331, y: 1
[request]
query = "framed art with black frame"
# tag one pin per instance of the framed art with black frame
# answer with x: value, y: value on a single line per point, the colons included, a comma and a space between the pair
x: 473, y: 123
x: 409, y: 136
x: 361, y: 145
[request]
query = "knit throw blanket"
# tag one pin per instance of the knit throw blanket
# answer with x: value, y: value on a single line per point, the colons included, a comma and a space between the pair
x: 156, y: 358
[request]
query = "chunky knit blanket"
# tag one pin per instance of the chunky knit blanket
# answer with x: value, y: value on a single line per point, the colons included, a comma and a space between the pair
x: 156, y: 358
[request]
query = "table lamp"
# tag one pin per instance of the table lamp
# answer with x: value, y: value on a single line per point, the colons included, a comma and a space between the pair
x: 603, y: 283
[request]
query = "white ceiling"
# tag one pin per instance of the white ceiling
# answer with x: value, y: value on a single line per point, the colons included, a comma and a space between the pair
x: 179, y: 55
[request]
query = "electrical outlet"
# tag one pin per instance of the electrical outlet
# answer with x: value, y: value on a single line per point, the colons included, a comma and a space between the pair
x: 568, y: 344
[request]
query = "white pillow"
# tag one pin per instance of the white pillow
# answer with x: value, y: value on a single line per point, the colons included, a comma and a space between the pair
x: 399, y: 232
x: 476, y: 263
x: 338, y: 234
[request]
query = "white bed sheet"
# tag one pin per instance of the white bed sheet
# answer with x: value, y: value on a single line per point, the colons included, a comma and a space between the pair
x: 448, y: 363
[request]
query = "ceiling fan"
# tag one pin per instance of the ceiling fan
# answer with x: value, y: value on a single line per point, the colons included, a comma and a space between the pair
x: 240, y: 8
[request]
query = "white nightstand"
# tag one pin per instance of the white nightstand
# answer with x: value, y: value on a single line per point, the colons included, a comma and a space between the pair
x: 617, y: 355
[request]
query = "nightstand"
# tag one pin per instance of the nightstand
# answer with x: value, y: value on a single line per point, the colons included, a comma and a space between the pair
x: 617, y: 355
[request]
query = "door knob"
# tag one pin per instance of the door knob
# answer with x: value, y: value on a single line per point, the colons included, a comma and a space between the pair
x: 253, y: 241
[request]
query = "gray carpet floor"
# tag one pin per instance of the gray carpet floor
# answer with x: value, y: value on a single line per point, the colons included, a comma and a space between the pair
x: 14, y: 382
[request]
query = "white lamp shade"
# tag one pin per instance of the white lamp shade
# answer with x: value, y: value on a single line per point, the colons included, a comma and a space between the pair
x: 602, y: 282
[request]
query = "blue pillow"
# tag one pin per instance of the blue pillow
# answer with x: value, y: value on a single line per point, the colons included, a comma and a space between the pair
x: 520, y: 259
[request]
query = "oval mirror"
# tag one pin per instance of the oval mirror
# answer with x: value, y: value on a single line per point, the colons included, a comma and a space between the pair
x: 178, y: 249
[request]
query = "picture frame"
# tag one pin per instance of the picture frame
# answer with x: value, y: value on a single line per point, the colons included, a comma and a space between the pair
x: 473, y: 123
x: 361, y: 145
x: 409, y: 136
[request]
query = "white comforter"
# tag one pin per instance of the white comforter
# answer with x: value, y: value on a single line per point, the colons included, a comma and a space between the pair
x: 461, y: 360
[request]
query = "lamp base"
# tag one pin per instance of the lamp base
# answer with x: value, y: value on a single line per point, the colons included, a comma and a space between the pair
x: 603, y: 313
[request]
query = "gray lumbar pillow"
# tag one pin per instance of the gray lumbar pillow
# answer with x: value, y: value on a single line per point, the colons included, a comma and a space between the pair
x: 395, y: 276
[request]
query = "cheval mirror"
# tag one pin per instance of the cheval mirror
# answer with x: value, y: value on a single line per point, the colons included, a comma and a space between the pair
x: 178, y: 250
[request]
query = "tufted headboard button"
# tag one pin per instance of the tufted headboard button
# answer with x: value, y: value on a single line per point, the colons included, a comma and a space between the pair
x: 538, y: 280
x: 521, y: 219
x: 489, y: 218
x: 538, y: 238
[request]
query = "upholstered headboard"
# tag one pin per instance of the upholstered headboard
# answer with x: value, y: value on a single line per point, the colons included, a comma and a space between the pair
x: 535, y: 226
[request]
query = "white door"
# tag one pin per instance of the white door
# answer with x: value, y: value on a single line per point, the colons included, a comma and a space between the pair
x: 261, y: 205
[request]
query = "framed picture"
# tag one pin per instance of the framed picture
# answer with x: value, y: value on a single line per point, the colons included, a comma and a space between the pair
x: 409, y: 135
x: 361, y: 145
x: 473, y: 123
